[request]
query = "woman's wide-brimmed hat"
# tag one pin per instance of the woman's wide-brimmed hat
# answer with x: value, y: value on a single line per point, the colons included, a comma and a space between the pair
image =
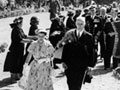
x: 38, y: 31
x: 16, y: 21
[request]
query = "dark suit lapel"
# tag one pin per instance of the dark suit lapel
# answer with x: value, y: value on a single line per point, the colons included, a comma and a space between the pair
x: 75, y: 35
x: 81, y: 39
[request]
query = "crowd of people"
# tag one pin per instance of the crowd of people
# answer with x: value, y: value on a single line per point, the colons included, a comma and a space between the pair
x: 79, y: 38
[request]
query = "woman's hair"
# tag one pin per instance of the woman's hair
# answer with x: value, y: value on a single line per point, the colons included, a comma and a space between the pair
x: 34, y: 20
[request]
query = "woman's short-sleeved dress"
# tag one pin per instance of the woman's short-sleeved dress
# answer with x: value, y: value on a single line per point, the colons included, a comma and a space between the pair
x: 39, y: 75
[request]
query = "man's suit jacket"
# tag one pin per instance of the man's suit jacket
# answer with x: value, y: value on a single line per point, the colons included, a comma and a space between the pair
x: 78, y: 52
x: 109, y: 27
x: 93, y: 26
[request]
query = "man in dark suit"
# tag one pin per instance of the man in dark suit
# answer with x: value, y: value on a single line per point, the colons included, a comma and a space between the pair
x: 110, y: 37
x: 104, y: 19
x: 93, y: 25
x: 78, y: 54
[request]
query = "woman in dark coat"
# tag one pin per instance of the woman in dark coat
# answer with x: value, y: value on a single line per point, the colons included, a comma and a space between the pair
x: 14, y: 60
x: 33, y: 22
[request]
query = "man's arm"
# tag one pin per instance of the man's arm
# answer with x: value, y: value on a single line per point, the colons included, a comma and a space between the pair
x: 91, y: 52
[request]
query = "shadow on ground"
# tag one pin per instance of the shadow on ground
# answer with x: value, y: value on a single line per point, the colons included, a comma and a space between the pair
x: 6, y: 82
x: 99, y: 70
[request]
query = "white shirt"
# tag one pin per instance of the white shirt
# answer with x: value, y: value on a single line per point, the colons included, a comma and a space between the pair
x: 92, y: 16
x: 79, y: 33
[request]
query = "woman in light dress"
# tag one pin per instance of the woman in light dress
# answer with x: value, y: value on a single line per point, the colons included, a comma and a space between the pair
x: 40, y: 68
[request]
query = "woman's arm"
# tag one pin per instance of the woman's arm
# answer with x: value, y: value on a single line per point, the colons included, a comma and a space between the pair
x: 29, y: 56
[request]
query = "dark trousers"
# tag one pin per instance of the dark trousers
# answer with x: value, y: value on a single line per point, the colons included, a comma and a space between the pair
x: 102, y: 45
x: 75, y: 78
x: 108, y: 51
x: 115, y: 62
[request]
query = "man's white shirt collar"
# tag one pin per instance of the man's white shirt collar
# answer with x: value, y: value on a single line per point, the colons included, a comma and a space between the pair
x: 79, y: 32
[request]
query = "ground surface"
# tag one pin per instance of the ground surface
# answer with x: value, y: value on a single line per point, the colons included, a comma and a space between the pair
x: 102, y: 80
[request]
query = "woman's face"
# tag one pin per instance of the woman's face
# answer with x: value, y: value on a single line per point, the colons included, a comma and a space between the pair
x: 41, y: 36
x: 20, y: 25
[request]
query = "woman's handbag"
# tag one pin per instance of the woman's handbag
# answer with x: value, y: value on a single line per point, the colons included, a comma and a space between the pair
x: 24, y: 79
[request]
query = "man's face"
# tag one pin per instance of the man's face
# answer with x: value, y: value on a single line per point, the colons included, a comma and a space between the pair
x: 113, y: 13
x: 80, y: 24
x: 93, y: 11
x: 102, y: 12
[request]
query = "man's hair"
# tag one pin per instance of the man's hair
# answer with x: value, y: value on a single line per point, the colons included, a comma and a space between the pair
x: 103, y: 8
x: 81, y: 18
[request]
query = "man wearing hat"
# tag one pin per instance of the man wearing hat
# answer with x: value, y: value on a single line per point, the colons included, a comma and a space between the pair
x: 93, y: 25
x: 86, y: 13
x: 77, y: 13
x: 70, y: 24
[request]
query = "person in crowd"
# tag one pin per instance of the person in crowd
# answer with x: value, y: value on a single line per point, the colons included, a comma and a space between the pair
x: 54, y: 8
x: 70, y: 24
x: 86, y: 13
x: 104, y: 19
x: 114, y: 4
x: 78, y: 54
x: 110, y: 37
x: 14, y: 60
x: 57, y: 30
x: 77, y: 13
x: 93, y: 25
x: 34, y: 21
x: 118, y: 15
x: 40, y: 68
x: 116, y: 48
x: 115, y: 23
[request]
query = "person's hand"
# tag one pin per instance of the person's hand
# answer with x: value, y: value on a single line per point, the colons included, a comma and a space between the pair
x: 25, y: 65
x: 56, y: 33
x: 26, y: 40
x: 111, y: 34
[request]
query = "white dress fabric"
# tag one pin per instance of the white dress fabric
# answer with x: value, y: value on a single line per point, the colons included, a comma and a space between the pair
x: 40, y: 68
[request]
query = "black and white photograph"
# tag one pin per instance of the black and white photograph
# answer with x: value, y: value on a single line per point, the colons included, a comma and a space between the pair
x: 59, y: 44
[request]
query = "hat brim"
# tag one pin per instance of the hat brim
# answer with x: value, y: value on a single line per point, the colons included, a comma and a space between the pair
x: 42, y: 32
